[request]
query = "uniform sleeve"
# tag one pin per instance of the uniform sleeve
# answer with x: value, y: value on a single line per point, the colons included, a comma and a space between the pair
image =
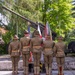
x: 65, y: 48
x: 54, y: 50
x: 9, y: 48
x: 43, y: 46
x: 31, y: 45
x: 21, y: 45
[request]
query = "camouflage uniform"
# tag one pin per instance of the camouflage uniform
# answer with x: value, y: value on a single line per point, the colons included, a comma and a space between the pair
x: 36, y: 50
x: 60, y: 55
x: 14, y: 51
x: 25, y: 46
x: 48, y: 54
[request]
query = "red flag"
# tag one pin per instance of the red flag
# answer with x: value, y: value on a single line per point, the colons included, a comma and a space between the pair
x: 31, y: 57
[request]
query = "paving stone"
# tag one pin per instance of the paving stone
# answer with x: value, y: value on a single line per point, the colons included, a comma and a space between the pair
x: 6, y: 64
x: 53, y: 73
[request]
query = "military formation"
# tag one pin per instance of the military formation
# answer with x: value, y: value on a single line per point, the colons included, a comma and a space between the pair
x: 37, y: 45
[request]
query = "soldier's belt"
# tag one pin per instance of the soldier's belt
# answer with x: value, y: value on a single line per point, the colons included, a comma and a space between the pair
x: 48, y: 48
x: 15, y: 50
x: 36, y: 46
x: 26, y: 46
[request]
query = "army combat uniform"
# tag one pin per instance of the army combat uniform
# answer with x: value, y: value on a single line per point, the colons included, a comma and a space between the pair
x: 36, y: 49
x: 60, y: 55
x: 25, y: 46
x: 14, y: 51
x: 48, y: 54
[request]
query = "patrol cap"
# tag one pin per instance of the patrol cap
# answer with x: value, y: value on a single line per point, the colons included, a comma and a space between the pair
x: 15, y: 37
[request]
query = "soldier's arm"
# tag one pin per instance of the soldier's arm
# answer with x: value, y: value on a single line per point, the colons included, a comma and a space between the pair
x: 54, y: 50
x: 31, y: 45
x: 21, y: 45
x: 9, y: 49
x: 42, y: 44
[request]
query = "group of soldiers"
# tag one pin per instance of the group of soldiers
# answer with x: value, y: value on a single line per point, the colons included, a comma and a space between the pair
x: 37, y: 45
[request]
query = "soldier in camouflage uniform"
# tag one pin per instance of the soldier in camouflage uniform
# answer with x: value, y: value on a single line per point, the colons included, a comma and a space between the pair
x: 48, y: 45
x: 14, y: 51
x: 25, y: 46
x: 36, y: 49
x: 60, y: 55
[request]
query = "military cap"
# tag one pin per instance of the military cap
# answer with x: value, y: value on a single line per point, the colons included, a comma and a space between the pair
x: 36, y: 32
x: 26, y: 32
x: 60, y: 37
x: 15, y: 37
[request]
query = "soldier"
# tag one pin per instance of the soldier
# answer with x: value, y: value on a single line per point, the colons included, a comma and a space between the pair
x: 25, y: 46
x: 14, y: 51
x: 36, y: 49
x: 60, y: 55
x: 48, y: 45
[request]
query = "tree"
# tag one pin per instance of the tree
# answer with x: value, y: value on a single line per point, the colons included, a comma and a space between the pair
x: 58, y: 13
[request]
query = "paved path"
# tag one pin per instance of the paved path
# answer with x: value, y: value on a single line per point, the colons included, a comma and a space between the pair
x: 21, y: 73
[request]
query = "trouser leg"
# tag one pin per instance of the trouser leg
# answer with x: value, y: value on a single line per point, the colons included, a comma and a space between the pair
x: 46, y: 64
x: 60, y: 62
x: 50, y: 64
x: 24, y: 57
x: 35, y: 64
x: 27, y: 63
x: 62, y: 65
x: 16, y: 64
x: 13, y: 64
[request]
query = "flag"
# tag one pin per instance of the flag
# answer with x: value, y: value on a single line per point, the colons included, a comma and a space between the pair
x: 48, y: 30
x: 31, y: 55
x: 39, y: 31
x: 29, y: 28
x: 42, y: 56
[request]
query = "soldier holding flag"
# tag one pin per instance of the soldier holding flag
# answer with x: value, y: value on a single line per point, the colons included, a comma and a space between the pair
x: 36, y: 49
x: 48, y: 46
x: 25, y: 47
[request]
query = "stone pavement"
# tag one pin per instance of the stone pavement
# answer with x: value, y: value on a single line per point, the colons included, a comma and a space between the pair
x: 5, y: 63
x: 21, y: 73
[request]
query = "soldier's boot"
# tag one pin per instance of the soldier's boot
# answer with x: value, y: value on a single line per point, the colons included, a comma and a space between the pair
x: 35, y: 71
x: 26, y: 71
x: 38, y: 70
x: 50, y: 71
x: 47, y: 73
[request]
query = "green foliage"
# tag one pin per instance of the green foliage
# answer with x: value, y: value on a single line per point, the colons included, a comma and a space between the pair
x: 58, y: 13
